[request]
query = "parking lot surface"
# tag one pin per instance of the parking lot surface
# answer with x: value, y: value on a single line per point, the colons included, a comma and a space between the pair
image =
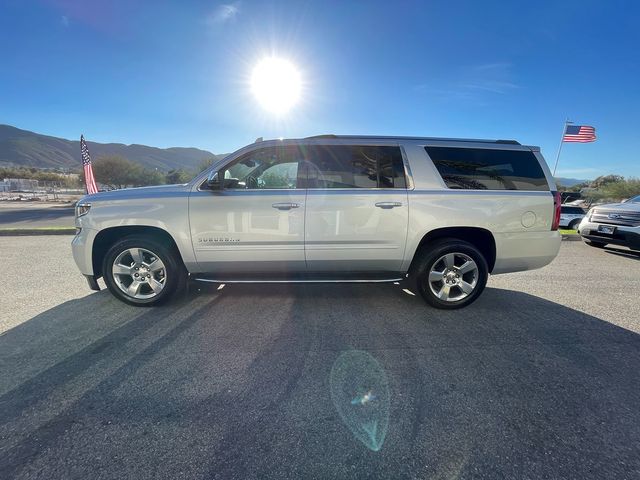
x: 537, y: 379
x: 36, y: 215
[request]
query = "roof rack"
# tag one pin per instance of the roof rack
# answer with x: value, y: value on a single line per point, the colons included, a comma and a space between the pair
x: 469, y: 140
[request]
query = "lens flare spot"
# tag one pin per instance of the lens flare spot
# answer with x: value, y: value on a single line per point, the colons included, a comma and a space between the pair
x: 360, y: 393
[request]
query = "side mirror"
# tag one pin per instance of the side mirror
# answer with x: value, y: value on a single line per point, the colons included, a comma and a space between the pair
x: 214, y: 182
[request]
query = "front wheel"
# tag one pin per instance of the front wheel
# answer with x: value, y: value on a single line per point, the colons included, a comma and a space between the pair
x: 574, y: 225
x: 141, y: 271
x: 450, y: 274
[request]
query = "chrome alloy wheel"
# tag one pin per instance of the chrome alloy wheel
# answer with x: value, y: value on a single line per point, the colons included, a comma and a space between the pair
x: 453, y: 277
x: 139, y: 273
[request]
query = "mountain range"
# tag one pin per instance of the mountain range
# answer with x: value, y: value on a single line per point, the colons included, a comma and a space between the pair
x: 569, y: 182
x: 22, y: 148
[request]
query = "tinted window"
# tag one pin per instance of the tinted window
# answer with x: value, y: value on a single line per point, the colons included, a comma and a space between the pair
x: 352, y: 166
x: 487, y: 169
x: 572, y: 210
x: 266, y: 168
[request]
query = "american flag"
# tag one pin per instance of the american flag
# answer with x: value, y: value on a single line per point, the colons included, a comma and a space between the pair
x: 579, y: 133
x: 89, y: 179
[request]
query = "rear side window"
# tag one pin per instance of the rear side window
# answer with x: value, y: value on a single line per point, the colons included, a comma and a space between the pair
x: 355, y: 166
x: 487, y: 169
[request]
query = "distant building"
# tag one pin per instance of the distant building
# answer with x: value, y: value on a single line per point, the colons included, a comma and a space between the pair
x: 19, y: 184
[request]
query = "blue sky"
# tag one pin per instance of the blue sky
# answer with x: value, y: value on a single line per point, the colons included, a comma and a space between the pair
x: 177, y: 73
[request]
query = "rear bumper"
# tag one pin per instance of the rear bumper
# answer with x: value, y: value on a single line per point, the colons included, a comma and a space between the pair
x: 516, y: 252
x: 623, y: 236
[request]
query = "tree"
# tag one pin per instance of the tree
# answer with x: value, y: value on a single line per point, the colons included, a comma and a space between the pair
x: 606, y: 179
x: 150, y: 176
x: 115, y: 171
x: 177, y: 176
x: 118, y: 172
x: 620, y: 190
x: 206, y: 163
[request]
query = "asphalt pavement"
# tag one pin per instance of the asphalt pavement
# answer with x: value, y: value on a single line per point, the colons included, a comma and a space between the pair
x: 35, y: 215
x: 537, y: 379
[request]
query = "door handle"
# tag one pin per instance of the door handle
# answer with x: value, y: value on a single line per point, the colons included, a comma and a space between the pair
x: 285, y: 206
x: 388, y: 204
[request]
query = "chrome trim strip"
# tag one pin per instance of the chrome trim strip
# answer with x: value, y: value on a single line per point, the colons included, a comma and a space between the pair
x: 342, y: 246
x: 210, y: 280
x: 468, y: 191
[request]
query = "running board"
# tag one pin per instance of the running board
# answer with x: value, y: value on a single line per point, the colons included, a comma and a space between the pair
x: 296, y: 280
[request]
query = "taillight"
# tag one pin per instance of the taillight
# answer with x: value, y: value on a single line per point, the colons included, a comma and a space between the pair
x: 557, y: 206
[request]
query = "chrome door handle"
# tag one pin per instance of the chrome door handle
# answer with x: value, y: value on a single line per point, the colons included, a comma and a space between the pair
x: 388, y: 204
x: 285, y: 206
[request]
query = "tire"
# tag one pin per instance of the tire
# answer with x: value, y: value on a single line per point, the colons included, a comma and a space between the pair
x: 574, y: 225
x: 591, y: 243
x: 122, y: 267
x: 446, y: 256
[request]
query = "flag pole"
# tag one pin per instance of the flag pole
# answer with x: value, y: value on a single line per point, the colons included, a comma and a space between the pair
x: 564, y: 130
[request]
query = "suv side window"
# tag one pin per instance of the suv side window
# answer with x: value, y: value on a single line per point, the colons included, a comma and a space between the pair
x: 488, y: 169
x: 265, y: 168
x: 355, y: 166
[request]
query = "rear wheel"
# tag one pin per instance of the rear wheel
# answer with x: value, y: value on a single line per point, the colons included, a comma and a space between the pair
x: 141, y: 271
x: 451, y: 274
x: 591, y: 243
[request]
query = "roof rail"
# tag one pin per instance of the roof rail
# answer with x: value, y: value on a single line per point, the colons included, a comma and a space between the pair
x: 326, y: 135
x: 470, y: 140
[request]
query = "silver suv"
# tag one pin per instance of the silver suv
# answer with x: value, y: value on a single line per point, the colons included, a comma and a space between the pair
x: 615, y: 223
x: 439, y: 214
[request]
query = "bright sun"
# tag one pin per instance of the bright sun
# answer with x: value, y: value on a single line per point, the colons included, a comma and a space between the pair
x: 276, y: 84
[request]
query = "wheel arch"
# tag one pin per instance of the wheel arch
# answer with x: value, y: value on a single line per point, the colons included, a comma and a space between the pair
x: 481, y: 238
x: 107, y: 237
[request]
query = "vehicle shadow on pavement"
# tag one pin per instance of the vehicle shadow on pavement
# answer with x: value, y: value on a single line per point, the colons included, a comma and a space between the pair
x: 234, y: 383
x: 635, y: 255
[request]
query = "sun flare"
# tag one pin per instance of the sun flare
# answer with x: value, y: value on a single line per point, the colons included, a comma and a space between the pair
x: 276, y: 84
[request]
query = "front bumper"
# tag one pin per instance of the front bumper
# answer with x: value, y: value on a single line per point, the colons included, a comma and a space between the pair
x: 81, y: 247
x: 623, y: 236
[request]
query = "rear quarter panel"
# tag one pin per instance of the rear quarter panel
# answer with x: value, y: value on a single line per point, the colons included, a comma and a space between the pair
x: 520, y: 221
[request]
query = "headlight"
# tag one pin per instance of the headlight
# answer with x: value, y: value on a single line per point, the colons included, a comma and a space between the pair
x: 82, y: 209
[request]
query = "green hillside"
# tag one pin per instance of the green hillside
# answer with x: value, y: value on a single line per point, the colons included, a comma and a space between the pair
x: 22, y: 148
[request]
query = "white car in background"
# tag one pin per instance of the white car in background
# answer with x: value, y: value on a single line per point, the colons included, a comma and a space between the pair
x: 571, y: 216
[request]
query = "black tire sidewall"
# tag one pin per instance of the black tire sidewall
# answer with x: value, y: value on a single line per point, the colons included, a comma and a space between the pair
x: 174, y: 272
x: 437, y: 250
x: 576, y: 223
